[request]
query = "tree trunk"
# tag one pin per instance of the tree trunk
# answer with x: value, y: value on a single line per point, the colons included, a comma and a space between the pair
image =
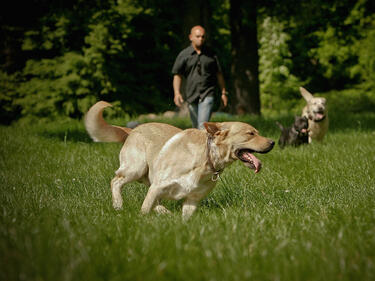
x: 244, y: 69
x: 196, y: 12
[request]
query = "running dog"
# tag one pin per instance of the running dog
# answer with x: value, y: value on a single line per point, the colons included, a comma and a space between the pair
x: 176, y: 164
x: 296, y: 135
x: 317, y: 114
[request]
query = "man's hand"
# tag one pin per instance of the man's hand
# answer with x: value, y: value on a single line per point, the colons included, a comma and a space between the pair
x: 224, y: 98
x: 178, y: 100
x: 224, y: 93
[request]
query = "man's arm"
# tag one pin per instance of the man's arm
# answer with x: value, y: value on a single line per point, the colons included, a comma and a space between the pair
x: 178, y: 100
x: 224, y: 93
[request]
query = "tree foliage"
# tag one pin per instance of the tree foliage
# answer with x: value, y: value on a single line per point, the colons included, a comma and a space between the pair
x: 321, y: 45
x: 118, y: 59
x: 279, y: 86
x: 66, y: 55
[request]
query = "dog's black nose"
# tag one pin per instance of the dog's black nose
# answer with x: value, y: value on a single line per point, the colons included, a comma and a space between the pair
x: 272, y: 143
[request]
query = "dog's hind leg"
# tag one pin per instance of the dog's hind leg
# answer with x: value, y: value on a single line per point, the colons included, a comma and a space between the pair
x: 116, y: 187
x: 117, y: 184
x: 126, y: 174
x: 133, y: 167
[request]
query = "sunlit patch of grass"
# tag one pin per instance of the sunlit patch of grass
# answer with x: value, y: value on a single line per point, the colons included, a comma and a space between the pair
x: 308, y: 215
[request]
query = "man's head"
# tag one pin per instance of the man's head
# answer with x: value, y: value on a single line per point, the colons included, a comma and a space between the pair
x: 197, y: 36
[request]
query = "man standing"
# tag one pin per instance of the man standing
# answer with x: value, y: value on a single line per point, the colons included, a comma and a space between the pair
x: 200, y: 66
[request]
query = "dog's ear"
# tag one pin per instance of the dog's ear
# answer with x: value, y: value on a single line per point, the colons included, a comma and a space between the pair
x: 306, y: 94
x: 211, y: 127
x: 215, y: 129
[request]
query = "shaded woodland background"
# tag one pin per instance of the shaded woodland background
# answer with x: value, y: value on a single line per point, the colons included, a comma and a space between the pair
x: 59, y: 57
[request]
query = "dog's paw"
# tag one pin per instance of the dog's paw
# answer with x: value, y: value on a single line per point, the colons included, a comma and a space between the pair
x: 161, y: 210
x: 117, y: 205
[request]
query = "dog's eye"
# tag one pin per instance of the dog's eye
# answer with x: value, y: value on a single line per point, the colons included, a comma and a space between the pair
x: 251, y: 133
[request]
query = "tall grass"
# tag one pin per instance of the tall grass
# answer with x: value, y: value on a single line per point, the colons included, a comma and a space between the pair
x: 309, y: 214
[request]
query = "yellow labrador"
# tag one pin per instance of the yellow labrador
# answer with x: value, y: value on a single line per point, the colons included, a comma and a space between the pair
x: 176, y: 164
x: 317, y: 114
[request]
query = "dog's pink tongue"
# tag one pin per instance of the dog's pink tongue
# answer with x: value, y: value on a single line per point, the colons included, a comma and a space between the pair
x: 255, y: 161
x: 319, y: 116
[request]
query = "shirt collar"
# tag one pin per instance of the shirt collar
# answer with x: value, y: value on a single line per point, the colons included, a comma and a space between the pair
x: 192, y: 50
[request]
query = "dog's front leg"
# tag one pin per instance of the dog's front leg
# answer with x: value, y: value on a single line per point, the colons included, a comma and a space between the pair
x: 188, y: 208
x: 151, y: 199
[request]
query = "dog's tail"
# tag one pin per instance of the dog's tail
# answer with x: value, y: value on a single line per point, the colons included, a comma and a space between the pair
x: 280, y: 126
x: 99, y: 130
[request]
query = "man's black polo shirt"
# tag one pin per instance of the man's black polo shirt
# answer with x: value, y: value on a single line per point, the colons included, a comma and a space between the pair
x: 199, y: 70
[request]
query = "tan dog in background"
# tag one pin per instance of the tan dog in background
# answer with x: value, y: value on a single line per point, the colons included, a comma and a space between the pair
x: 317, y: 114
x: 176, y: 164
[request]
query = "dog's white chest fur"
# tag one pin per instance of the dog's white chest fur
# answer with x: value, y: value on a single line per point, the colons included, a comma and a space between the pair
x: 193, y: 178
x: 317, y: 130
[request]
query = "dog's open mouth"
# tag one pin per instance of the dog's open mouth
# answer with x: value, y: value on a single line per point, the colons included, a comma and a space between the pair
x: 246, y: 156
x: 304, y: 131
x: 319, y: 116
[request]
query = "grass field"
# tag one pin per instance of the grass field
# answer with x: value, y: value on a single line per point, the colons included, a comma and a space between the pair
x: 309, y: 214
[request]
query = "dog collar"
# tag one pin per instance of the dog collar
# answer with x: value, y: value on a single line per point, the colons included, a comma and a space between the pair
x: 216, y: 173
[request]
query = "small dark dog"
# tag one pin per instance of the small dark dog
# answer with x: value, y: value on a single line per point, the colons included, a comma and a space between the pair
x: 295, y: 135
